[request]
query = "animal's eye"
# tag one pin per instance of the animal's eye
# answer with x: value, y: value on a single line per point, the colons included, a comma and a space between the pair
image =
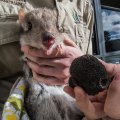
x: 29, y: 24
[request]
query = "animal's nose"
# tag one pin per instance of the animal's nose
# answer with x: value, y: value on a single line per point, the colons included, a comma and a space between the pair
x: 48, y: 39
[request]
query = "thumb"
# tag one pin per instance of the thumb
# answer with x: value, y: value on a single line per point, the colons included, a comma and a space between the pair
x: 91, y: 110
x: 83, y: 101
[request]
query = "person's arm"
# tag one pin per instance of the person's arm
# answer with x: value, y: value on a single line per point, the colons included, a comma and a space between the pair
x: 52, y: 68
x: 105, y: 103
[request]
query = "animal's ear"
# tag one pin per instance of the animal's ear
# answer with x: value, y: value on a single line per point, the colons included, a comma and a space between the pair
x: 21, y: 15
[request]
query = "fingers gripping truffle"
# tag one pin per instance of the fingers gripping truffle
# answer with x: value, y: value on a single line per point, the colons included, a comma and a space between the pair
x: 89, y: 73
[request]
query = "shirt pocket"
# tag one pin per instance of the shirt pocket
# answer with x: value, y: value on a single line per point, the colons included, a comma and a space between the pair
x: 9, y: 29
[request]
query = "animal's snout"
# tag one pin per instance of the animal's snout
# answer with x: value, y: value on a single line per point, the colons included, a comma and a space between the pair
x: 48, y: 39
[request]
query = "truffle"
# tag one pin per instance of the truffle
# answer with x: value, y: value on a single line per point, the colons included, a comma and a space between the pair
x: 90, y: 74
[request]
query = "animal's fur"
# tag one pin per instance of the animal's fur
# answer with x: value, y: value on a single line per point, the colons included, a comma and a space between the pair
x: 45, y: 102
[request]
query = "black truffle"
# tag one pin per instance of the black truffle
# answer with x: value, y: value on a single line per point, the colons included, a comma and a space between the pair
x: 90, y: 74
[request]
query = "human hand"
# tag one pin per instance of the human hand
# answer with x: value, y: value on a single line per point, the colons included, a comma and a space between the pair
x: 52, y: 67
x: 105, y: 103
x: 112, y: 102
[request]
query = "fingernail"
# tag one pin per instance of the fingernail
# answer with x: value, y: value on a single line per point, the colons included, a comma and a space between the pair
x: 22, y: 49
x: 66, y: 89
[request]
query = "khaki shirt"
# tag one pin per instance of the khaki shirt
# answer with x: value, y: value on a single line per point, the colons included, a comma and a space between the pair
x: 75, y: 17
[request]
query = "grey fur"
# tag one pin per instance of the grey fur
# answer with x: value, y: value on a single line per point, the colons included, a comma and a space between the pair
x: 45, y: 102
